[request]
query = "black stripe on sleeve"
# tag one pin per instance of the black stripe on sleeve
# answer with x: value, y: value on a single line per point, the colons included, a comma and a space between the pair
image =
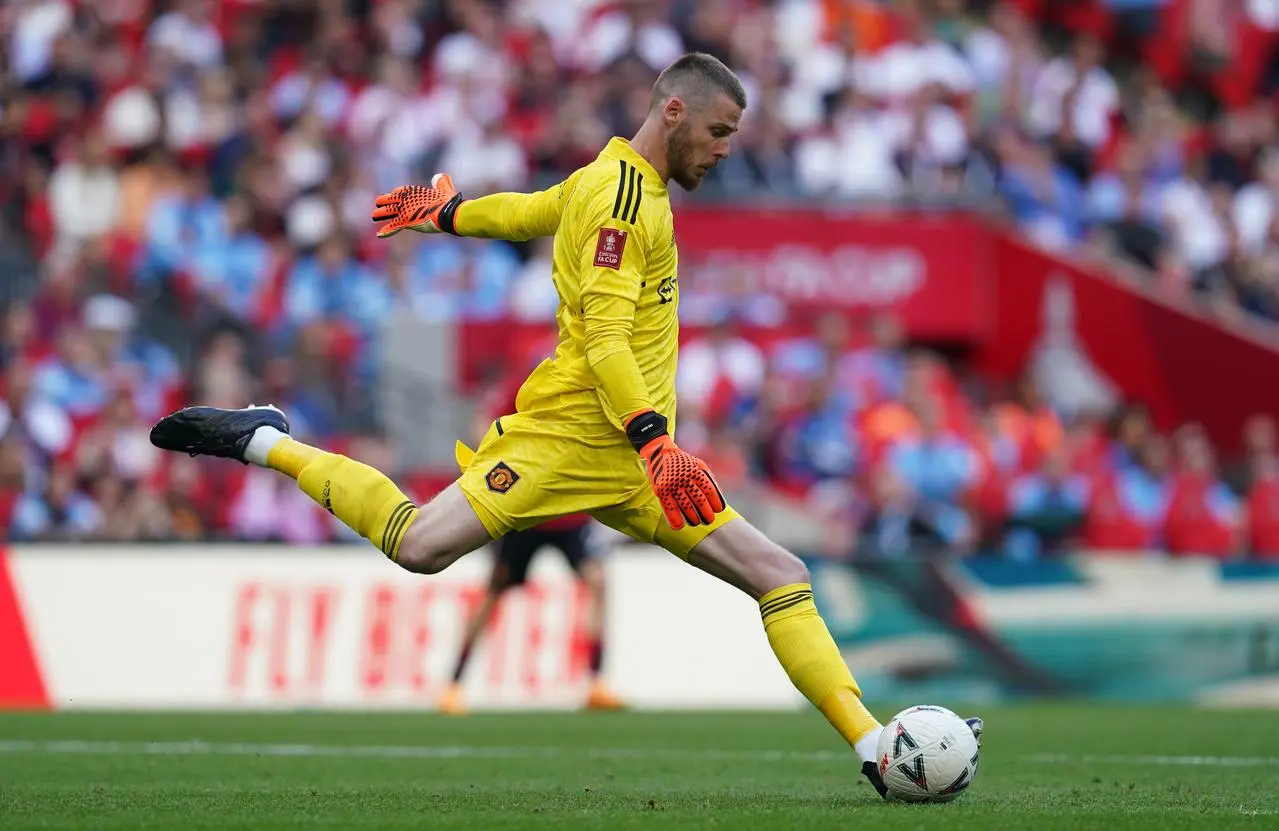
x: 639, y: 193
x: 630, y: 193
x: 621, y: 186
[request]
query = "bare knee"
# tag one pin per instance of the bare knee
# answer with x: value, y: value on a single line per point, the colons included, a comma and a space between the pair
x: 773, y: 567
x: 787, y: 568
x: 438, y: 537
x: 421, y: 552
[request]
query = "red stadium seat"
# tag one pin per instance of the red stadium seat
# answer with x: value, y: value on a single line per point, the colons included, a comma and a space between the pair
x: 1263, y: 518
x: 1191, y: 527
x: 1108, y: 526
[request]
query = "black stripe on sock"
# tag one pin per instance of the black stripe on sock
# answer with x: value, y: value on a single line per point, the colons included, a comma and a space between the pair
x: 630, y: 192
x: 808, y: 598
x: 398, y: 515
x: 764, y: 607
x: 398, y: 534
x: 639, y: 194
x: 785, y: 601
x: 392, y: 520
x: 389, y: 521
x: 621, y: 185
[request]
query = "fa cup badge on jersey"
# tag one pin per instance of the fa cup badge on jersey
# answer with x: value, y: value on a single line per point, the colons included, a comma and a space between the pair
x: 609, y: 247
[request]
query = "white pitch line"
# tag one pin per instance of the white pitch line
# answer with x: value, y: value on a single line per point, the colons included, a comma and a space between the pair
x: 1172, y: 761
x: 202, y: 748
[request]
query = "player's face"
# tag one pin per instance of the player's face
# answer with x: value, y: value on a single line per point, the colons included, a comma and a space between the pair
x: 699, y: 140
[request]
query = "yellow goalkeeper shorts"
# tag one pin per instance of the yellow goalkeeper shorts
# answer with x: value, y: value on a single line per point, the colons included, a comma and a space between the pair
x: 521, y: 476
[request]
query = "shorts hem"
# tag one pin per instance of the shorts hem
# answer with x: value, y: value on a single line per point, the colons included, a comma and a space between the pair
x: 681, y: 543
x: 495, y: 526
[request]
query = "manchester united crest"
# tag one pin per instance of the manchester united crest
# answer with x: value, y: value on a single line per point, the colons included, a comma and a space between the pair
x: 501, y: 478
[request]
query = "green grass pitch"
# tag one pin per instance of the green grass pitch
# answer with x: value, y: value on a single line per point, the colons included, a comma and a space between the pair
x: 1047, y: 766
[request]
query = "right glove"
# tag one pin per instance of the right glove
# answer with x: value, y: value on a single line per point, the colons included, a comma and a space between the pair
x: 683, y: 483
x: 427, y: 210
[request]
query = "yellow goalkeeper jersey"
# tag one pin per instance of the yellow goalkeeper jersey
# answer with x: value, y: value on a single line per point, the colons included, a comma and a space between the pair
x: 616, y: 271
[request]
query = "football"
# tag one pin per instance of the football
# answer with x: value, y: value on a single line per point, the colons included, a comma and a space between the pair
x: 927, y: 754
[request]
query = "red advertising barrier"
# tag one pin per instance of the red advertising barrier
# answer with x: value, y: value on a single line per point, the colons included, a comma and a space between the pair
x: 934, y: 270
x: 21, y: 682
x: 1185, y: 366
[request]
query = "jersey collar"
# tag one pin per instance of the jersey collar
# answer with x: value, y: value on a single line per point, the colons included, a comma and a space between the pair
x: 620, y: 148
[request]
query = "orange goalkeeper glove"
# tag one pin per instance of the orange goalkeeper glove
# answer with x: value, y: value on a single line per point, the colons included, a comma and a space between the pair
x: 683, y: 483
x: 427, y: 210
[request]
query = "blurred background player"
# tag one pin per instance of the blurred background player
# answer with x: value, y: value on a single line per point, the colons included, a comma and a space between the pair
x: 574, y: 537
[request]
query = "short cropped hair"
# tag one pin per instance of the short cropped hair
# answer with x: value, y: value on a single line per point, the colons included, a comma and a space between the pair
x: 695, y: 77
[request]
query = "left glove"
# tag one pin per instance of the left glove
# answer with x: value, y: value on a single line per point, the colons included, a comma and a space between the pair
x: 682, y: 482
x: 427, y: 210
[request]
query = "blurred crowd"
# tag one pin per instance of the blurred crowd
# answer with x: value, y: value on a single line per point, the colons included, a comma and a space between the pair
x: 185, y: 187
x: 896, y: 451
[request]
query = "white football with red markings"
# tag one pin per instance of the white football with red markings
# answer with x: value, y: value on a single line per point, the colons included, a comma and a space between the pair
x: 927, y: 754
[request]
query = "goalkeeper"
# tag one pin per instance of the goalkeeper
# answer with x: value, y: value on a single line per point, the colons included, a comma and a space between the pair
x: 594, y: 424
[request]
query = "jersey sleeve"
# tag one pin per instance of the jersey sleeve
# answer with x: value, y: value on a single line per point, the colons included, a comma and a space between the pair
x: 512, y: 216
x: 612, y: 267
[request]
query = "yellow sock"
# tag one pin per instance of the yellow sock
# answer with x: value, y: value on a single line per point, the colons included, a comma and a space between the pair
x: 353, y: 492
x: 808, y: 653
x: 290, y: 456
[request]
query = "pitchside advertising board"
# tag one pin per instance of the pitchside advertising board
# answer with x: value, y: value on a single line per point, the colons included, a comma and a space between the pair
x: 1122, y: 627
x: 272, y: 627
x: 342, y: 627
